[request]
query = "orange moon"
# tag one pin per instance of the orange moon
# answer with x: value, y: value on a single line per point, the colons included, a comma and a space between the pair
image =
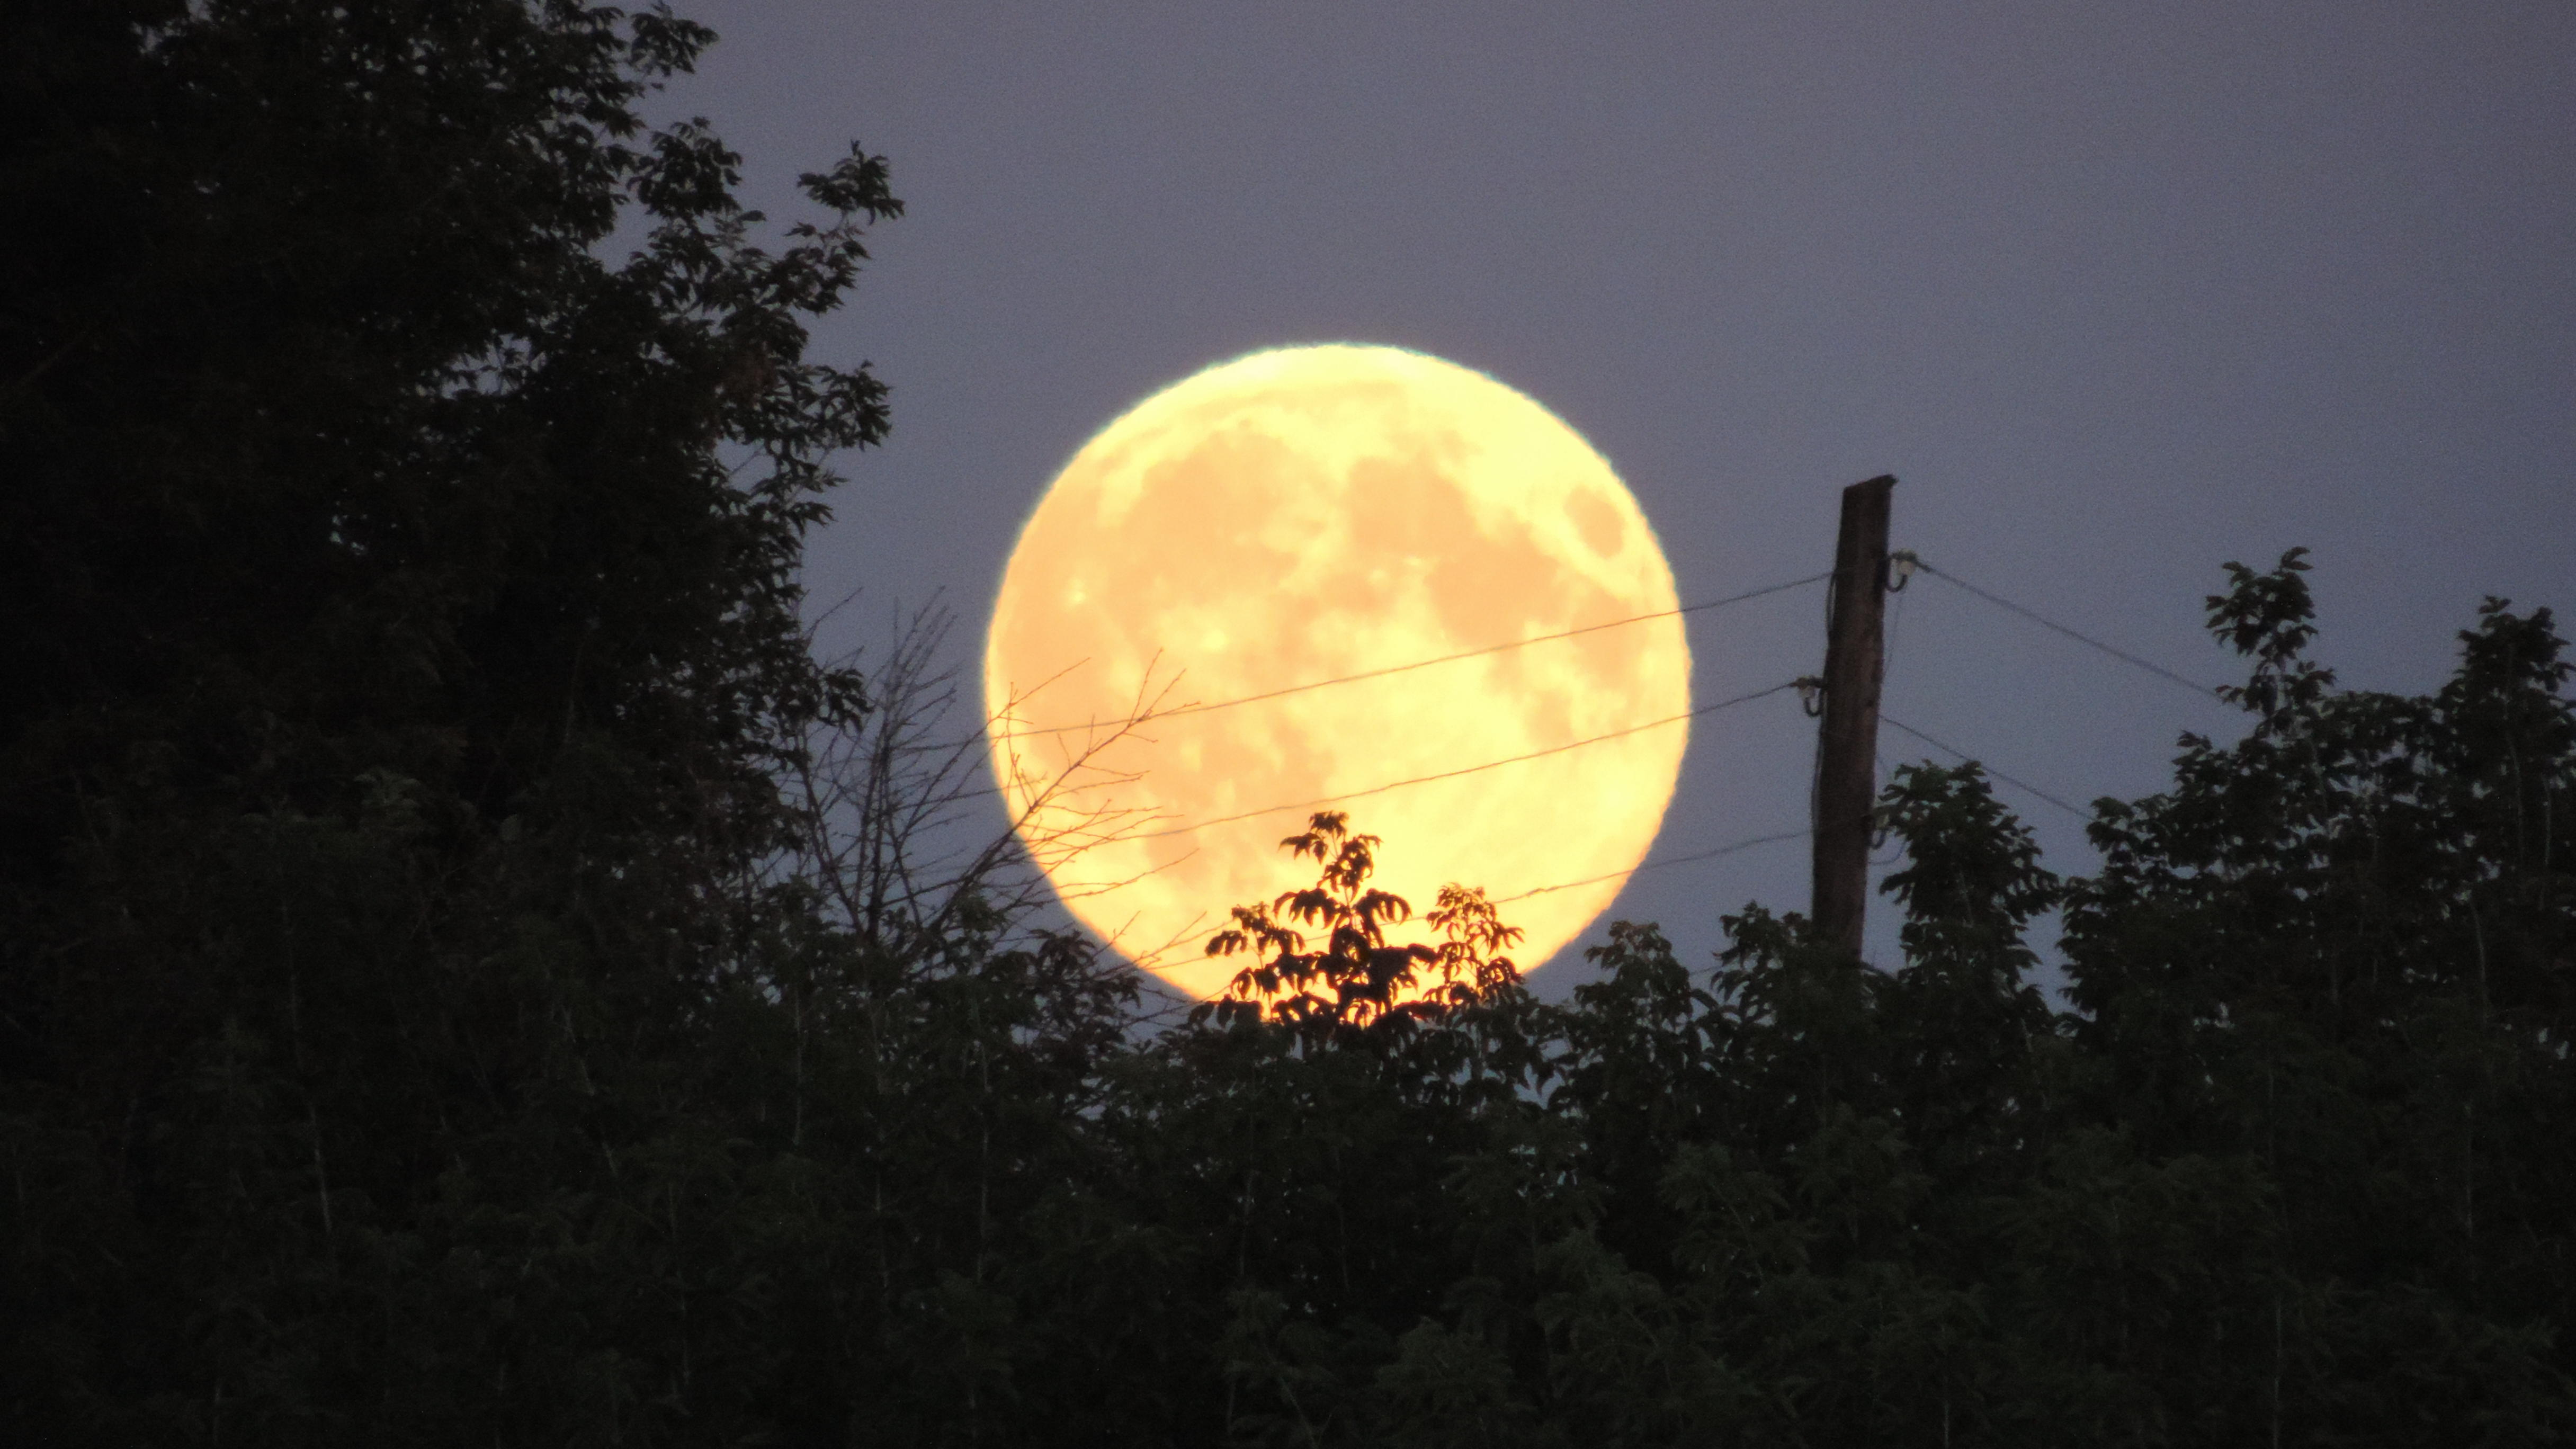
x: 1299, y: 516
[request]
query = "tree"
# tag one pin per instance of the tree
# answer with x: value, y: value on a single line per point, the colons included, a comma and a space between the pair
x: 406, y: 601
x: 2286, y: 1174
x: 2336, y: 953
x: 467, y: 973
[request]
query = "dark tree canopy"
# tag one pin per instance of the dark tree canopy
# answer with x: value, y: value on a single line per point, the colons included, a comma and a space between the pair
x: 402, y: 603
x: 468, y: 974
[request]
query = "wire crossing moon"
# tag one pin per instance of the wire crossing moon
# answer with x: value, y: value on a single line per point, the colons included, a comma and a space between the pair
x: 1160, y: 671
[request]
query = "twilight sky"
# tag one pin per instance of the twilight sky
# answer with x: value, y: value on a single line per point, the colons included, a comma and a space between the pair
x: 2118, y: 292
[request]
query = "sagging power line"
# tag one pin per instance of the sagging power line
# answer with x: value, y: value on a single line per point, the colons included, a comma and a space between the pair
x: 1865, y: 568
x: 1179, y: 711
x: 1694, y: 858
x: 2124, y: 656
x: 1706, y: 709
x: 1959, y: 754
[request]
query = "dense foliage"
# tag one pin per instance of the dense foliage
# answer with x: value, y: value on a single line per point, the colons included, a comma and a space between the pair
x: 401, y: 616
x: 442, y: 999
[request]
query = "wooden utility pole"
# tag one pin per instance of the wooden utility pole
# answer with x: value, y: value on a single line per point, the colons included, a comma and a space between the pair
x: 1847, y: 741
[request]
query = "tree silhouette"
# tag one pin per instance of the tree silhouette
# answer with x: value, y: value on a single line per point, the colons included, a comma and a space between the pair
x: 1356, y: 981
x: 468, y: 974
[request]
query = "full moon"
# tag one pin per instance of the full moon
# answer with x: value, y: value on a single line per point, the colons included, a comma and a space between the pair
x: 1220, y: 618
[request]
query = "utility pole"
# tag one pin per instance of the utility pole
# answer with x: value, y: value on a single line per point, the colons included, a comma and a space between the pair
x: 1847, y: 741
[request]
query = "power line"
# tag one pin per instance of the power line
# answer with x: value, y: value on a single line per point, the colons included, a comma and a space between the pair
x: 1957, y: 753
x: 1704, y: 606
x: 1467, y: 770
x: 1647, y: 865
x: 2124, y: 656
x: 1777, y: 837
x: 1693, y: 858
x: 1189, y: 709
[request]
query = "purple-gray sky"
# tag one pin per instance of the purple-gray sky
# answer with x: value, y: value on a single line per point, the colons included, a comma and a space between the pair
x: 2119, y: 292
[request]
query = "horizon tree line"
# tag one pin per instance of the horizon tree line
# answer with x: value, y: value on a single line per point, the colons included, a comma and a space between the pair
x: 470, y: 974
